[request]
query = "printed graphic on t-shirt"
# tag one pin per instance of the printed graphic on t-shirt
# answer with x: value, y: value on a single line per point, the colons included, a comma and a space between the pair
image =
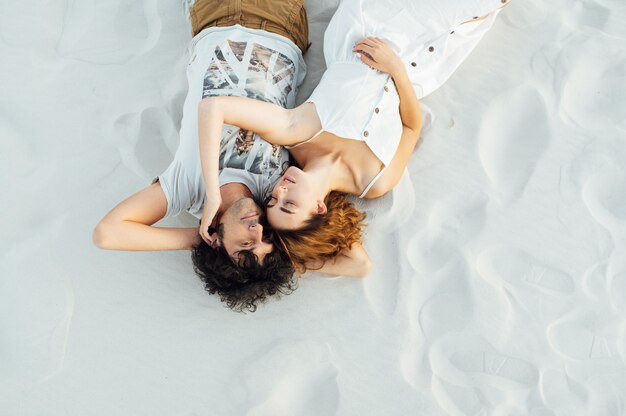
x: 251, y: 70
x: 247, y: 69
x: 242, y: 149
x: 244, y: 141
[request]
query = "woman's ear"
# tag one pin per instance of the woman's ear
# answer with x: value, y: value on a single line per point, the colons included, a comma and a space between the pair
x: 321, y: 208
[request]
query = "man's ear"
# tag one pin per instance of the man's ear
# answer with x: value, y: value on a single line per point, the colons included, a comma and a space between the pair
x: 321, y: 208
x: 216, y: 240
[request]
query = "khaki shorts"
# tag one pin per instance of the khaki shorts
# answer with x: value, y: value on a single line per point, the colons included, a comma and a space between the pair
x: 284, y: 17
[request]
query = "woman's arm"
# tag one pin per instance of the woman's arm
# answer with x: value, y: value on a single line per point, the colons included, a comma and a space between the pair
x: 379, y: 55
x: 393, y: 172
x: 410, y: 112
x: 128, y: 226
x: 275, y: 124
x: 354, y: 262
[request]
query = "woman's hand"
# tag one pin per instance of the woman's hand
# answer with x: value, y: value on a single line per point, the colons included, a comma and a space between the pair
x: 212, y: 204
x: 376, y: 53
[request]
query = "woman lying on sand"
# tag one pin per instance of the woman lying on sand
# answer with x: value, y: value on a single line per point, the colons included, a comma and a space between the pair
x: 356, y: 132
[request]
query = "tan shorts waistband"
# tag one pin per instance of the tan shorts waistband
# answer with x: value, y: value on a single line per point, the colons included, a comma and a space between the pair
x: 287, y: 18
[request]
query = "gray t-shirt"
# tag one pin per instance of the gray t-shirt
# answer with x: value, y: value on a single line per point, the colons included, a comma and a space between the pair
x: 233, y: 61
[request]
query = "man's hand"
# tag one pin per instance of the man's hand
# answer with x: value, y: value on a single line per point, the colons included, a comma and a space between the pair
x: 212, y: 203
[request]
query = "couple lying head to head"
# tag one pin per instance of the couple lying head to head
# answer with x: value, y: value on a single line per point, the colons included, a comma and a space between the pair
x: 251, y: 261
x: 243, y: 258
x: 358, y: 130
x: 243, y: 251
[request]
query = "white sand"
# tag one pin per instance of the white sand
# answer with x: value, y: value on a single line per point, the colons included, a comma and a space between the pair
x: 499, y: 279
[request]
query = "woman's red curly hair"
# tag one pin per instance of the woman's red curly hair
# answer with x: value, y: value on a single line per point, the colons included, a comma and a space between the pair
x: 324, y: 236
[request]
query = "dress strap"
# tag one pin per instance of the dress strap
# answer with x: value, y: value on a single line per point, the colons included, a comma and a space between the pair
x: 372, y: 182
x: 306, y: 141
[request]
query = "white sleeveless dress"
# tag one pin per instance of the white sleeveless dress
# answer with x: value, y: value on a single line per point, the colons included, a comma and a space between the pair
x: 355, y: 102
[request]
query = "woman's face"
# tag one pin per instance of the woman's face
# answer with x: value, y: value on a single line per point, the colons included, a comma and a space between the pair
x: 293, y: 201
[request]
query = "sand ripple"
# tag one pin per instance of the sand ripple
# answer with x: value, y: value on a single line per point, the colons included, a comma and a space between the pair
x: 511, y: 143
x: 109, y: 32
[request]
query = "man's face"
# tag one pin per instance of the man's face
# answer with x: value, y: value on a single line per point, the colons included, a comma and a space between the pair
x: 242, y: 230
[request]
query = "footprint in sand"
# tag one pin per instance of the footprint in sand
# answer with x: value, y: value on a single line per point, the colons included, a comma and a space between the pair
x: 589, y: 178
x: 589, y: 162
x: 451, y: 222
x: 428, y: 255
x: 88, y: 35
x: 516, y: 267
x: 142, y: 140
x: 561, y: 393
x: 469, y: 361
x: 597, y: 337
x: 589, y: 97
x: 616, y: 281
x: 413, y: 363
x: 589, y: 338
x: 461, y: 217
x: 514, y: 134
x: 459, y: 400
x: 470, y: 377
x: 493, y: 368
x: 444, y: 312
x: 594, y: 283
x: 605, y: 17
x: 288, y: 377
x: 450, y: 308
x: 606, y: 203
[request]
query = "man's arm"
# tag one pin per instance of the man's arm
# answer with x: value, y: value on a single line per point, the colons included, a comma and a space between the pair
x: 354, y: 262
x: 128, y: 226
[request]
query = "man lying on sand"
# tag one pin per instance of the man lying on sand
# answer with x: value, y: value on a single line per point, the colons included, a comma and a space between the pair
x: 253, y: 51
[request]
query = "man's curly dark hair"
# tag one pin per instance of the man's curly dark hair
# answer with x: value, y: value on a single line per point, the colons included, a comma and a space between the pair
x: 244, y: 285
